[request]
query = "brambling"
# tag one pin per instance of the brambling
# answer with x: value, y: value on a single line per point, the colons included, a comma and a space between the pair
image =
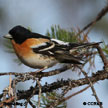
x: 38, y: 51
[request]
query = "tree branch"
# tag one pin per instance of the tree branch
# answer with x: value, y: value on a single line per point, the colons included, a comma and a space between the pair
x: 40, y: 74
x: 100, y: 75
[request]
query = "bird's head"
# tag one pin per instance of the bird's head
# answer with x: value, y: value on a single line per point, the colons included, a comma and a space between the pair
x: 18, y: 33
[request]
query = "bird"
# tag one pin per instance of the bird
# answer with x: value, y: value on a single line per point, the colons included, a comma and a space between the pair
x: 38, y: 51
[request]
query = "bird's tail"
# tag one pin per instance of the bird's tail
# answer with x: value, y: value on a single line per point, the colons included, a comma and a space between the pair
x: 80, y: 45
x: 78, y: 53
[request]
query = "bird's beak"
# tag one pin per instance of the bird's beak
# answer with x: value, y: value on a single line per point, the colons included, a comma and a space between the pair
x: 8, y: 36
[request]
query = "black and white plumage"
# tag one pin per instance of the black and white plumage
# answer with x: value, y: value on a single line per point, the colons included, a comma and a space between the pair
x: 38, y: 51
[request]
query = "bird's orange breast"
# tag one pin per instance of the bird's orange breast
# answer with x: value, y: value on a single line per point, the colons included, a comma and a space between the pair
x: 25, y: 49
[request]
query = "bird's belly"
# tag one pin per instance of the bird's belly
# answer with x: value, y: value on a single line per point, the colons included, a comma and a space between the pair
x: 38, y: 61
x: 31, y: 59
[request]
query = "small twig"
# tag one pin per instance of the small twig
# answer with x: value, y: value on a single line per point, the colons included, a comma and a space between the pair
x: 65, y: 90
x: 92, y: 87
x: 33, y: 93
x: 12, y: 73
x: 98, y: 17
x: 104, y: 59
x: 39, y: 96
x: 14, y: 92
x: 74, y: 94
x: 28, y: 99
x: 33, y: 106
x: 6, y: 101
x: 62, y: 99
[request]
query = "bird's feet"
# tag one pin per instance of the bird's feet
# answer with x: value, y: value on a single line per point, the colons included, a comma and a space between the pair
x: 40, y: 70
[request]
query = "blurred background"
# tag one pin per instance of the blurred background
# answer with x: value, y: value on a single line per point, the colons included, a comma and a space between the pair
x: 40, y: 15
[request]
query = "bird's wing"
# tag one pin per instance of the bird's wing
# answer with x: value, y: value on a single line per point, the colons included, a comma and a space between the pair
x: 63, y: 51
x: 44, y: 47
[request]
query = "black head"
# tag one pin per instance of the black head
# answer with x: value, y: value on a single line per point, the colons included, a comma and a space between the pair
x: 19, y: 34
